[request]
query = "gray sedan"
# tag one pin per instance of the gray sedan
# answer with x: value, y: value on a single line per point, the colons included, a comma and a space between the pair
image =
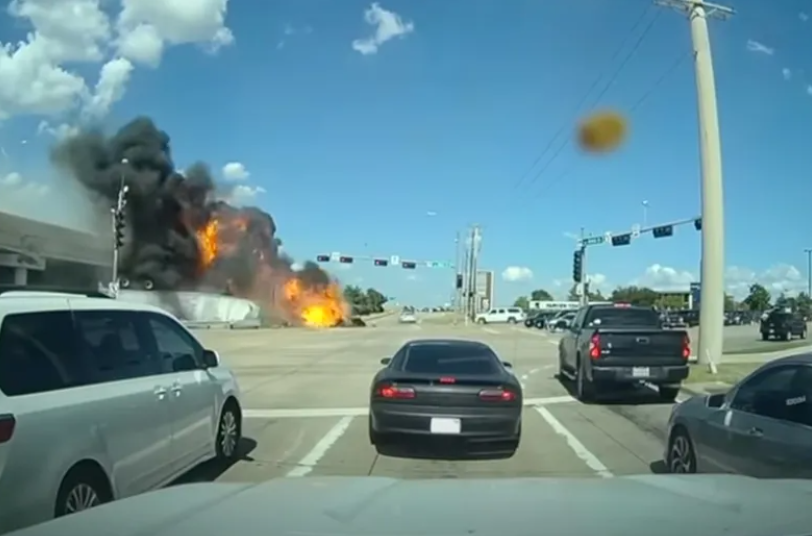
x: 762, y: 427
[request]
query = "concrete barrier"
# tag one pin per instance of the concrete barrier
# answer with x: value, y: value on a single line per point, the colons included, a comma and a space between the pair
x: 197, y: 308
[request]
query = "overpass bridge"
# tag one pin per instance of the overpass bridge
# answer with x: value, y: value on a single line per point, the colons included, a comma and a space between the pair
x: 36, y: 252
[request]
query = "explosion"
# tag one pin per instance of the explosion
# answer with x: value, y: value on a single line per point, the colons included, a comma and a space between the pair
x: 183, y: 236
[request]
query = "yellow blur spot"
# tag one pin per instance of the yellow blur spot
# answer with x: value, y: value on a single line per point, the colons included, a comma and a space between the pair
x: 602, y: 132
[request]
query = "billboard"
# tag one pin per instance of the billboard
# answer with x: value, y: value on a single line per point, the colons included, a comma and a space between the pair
x: 696, y: 295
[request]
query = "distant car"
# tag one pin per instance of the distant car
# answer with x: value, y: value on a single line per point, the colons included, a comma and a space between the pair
x: 761, y: 427
x: 782, y: 324
x: 511, y: 315
x: 408, y: 317
x: 446, y: 388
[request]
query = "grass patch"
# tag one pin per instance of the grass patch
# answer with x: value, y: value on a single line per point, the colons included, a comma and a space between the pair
x: 768, y: 347
x: 726, y: 372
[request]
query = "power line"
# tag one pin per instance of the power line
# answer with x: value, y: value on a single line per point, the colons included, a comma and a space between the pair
x: 582, y: 101
x: 567, y: 141
x: 639, y: 102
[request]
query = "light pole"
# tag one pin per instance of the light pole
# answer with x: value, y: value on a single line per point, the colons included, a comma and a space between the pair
x: 118, y: 227
x: 645, y: 213
x: 808, y: 272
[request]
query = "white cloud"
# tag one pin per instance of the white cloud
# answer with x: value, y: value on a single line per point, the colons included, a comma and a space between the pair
x: 296, y: 266
x: 235, y: 171
x: 786, y: 73
x: 388, y: 25
x: 760, y: 48
x: 244, y: 193
x: 38, y: 73
x: 59, y: 131
x: 777, y: 279
x: 146, y: 27
x: 517, y: 273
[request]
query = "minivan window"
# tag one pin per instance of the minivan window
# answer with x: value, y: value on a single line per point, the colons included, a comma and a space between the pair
x: 177, y: 349
x: 116, y: 344
x: 38, y: 353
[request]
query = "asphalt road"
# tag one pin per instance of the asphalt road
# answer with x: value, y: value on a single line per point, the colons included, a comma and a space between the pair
x: 305, y: 401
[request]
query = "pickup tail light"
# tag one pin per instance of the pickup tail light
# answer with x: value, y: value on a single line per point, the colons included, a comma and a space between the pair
x: 394, y: 392
x: 595, y: 346
x: 686, y: 347
x: 497, y: 395
x: 7, y: 425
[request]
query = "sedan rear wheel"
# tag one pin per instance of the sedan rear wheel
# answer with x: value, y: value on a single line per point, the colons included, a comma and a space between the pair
x: 681, y: 457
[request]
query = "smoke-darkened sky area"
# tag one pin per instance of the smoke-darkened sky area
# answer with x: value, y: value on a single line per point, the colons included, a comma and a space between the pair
x: 181, y: 234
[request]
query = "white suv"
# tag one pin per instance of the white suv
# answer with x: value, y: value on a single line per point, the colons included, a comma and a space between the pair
x: 511, y: 315
x: 102, y: 399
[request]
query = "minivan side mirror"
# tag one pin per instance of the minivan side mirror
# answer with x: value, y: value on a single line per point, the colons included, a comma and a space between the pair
x: 211, y: 359
x: 508, y: 364
x: 386, y: 361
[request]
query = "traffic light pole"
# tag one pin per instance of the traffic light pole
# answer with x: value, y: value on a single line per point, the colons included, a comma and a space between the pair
x: 118, y: 224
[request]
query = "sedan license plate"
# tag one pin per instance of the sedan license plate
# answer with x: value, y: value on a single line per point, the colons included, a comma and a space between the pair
x: 641, y: 372
x: 445, y: 426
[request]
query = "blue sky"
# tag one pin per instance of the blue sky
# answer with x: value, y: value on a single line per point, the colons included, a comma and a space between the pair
x: 390, y: 148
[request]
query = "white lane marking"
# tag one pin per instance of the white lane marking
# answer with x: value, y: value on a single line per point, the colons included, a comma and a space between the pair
x: 577, y: 447
x: 305, y: 413
x: 491, y: 331
x: 308, y: 463
x: 555, y: 343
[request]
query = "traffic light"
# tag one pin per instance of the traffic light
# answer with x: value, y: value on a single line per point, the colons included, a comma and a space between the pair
x: 119, y: 226
x: 381, y: 262
x: 663, y: 231
x: 622, y: 240
x: 577, y: 265
x: 409, y: 265
x: 459, y: 281
x: 345, y: 260
x: 698, y: 224
x: 322, y: 258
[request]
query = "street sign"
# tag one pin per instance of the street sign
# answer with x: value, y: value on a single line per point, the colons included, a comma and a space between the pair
x: 394, y: 259
x: 593, y: 240
x: 636, y: 230
x: 334, y: 256
x: 429, y: 264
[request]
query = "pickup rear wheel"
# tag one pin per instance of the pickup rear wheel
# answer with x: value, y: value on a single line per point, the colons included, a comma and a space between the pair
x: 584, y: 389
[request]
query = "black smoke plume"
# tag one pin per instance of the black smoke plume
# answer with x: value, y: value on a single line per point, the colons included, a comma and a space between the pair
x: 166, y: 207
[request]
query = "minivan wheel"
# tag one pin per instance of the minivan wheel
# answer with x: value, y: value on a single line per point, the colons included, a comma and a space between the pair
x: 511, y: 320
x: 81, y: 490
x: 480, y: 321
x: 229, y: 432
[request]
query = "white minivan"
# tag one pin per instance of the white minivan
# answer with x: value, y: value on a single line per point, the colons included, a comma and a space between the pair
x: 102, y: 399
x: 511, y: 315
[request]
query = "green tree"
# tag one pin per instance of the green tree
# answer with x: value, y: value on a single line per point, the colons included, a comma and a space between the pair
x: 541, y: 295
x: 803, y: 304
x: 364, y: 302
x: 758, y: 299
x: 635, y: 295
x: 522, y: 302
x: 375, y: 300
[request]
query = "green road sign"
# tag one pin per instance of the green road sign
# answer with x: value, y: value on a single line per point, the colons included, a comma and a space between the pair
x: 593, y: 240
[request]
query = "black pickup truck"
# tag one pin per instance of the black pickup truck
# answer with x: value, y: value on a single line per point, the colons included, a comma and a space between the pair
x: 610, y: 345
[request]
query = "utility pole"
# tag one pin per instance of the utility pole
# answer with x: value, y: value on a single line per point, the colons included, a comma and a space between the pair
x: 466, y: 277
x: 118, y: 231
x: 473, y: 257
x: 583, y: 278
x: 711, y: 313
x: 808, y: 271
x: 458, y: 273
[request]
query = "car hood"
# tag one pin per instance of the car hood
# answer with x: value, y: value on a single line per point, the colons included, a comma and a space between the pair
x: 665, y: 505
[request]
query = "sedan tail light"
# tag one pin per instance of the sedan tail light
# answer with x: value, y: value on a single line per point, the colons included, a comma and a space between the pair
x: 7, y: 425
x: 497, y: 395
x: 393, y: 392
x: 595, y: 346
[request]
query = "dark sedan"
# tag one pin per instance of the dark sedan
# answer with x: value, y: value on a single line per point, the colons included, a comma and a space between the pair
x: 451, y: 389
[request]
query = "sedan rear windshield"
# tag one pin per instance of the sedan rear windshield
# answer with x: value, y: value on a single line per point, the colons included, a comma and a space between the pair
x: 451, y: 359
